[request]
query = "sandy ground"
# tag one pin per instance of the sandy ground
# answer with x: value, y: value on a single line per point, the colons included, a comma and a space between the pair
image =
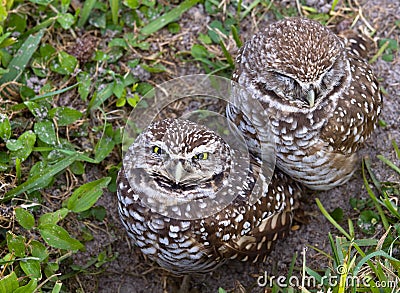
x: 130, y: 272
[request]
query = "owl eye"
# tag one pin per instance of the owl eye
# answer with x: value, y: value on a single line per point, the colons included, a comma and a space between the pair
x: 286, y: 80
x: 157, y: 150
x: 201, y: 156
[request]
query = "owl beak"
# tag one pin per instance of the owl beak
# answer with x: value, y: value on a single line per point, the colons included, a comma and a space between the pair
x: 311, y: 97
x: 177, y: 171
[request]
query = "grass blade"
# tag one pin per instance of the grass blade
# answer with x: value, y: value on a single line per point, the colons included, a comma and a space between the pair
x: 47, y: 173
x: 21, y: 58
x: 41, y: 26
x: 250, y: 8
x: 290, y: 272
x: 391, y: 206
x: 330, y: 219
x: 114, y: 4
x: 376, y: 182
x: 228, y: 56
x: 168, y: 17
x: 50, y: 94
x: 334, y: 3
x: 389, y: 163
x: 85, y: 12
x: 371, y: 255
x: 373, y: 197
x: 236, y: 36
x: 396, y: 148
x: 379, y: 53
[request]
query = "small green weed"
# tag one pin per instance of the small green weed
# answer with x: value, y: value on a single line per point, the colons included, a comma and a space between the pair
x: 370, y: 264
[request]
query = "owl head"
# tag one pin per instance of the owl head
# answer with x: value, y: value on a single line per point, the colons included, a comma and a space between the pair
x: 181, y: 154
x: 296, y: 61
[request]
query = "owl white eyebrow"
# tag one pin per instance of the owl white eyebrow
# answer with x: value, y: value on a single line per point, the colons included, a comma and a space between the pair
x: 202, y: 149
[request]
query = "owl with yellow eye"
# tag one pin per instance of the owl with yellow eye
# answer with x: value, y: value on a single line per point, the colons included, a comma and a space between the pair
x: 176, y: 160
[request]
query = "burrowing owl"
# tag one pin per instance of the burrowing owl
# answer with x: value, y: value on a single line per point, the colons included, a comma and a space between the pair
x: 179, y: 162
x: 322, y: 98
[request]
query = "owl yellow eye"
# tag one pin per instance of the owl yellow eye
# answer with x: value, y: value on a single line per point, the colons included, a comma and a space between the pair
x: 201, y: 156
x: 157, y: 150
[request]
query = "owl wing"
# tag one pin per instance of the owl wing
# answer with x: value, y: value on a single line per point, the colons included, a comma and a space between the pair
x: 357, y: 111
x: 251, y: 239
x: 357, y: 43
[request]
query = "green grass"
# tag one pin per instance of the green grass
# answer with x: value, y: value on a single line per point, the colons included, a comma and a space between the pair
x: 69, y: 75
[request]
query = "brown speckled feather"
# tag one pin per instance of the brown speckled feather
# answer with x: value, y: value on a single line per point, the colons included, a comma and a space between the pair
x: 242, y: 230
x: 321, y: 97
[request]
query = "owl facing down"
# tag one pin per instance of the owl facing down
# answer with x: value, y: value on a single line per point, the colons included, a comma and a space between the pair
x: 179, y: 162
x: 321, y: 97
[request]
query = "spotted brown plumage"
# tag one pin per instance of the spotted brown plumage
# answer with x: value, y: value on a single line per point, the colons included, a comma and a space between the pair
x: 241, y: 230
x: 321, y: 96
